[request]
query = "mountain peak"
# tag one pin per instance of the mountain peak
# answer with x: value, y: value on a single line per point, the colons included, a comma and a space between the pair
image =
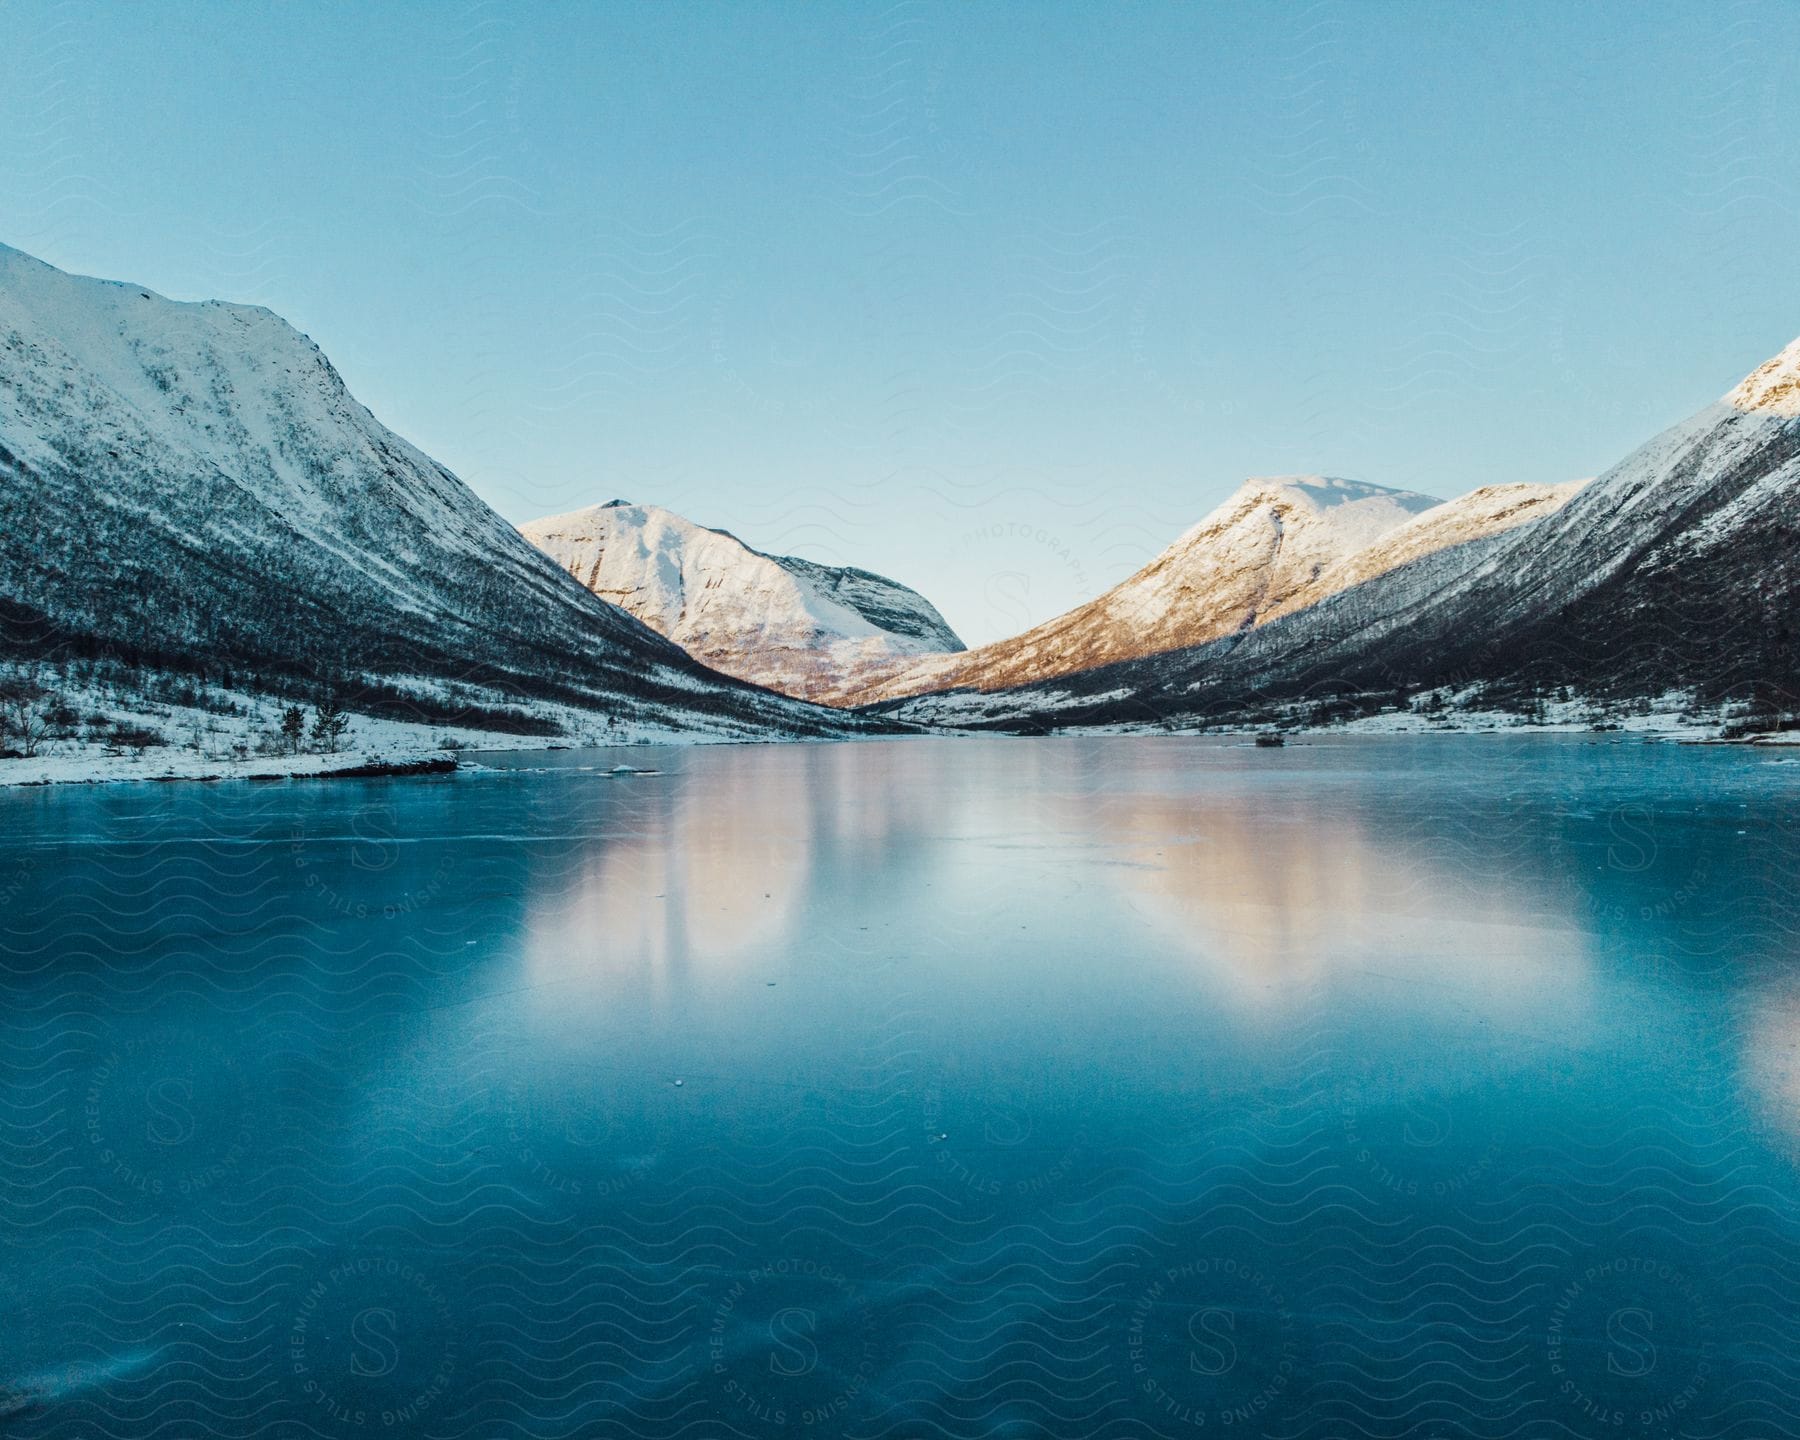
x: 802, y: 628
x: 1325, y: 492
x: 1773, y: 388
x: 1242, y: 564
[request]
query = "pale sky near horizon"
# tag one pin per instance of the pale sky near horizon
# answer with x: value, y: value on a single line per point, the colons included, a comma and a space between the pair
x: 993, y: 298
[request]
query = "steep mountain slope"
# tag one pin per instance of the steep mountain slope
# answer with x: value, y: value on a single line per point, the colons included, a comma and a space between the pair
x: 1241, y: 565
x: 808, y: 630
x: 190, y: 488
x: 1480, y: 514
x: 1675, y: 570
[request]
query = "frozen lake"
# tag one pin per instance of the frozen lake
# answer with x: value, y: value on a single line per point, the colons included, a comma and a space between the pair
x: 1117, y: 1087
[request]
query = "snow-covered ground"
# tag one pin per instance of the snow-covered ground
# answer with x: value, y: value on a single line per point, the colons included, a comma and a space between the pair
x: 1674, y: 715
x: 203, y: 745
x: 1679, y: 725
x: 211, y: 742
x: 87, y: 765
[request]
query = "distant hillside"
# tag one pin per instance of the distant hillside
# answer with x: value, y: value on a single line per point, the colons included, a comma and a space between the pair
x: 1240, y: 565
x: 809, y: 630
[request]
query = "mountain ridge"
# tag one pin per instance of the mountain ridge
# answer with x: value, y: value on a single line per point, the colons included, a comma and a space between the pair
x: 1271, y: 535
x: 1674, y: 570
x: 800, y: 627
x: 190, y: 486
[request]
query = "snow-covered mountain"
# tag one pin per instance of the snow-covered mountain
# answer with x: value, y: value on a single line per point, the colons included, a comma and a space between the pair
x: 1246, y: 562
x: 809, y: 630
x: 1480, y: 514
x: 190, y: 488
x: 1676, y: 570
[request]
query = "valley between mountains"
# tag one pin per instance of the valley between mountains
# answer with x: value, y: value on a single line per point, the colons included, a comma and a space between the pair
x: 202, y: 533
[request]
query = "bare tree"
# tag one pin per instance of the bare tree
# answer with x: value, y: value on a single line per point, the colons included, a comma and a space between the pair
x: 27, y: 715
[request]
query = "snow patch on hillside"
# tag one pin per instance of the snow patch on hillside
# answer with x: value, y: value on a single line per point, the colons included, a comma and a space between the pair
x: 1491, y: 510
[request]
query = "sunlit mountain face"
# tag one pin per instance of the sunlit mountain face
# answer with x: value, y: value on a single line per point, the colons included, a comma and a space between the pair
x: 1673, y: 572
x: 1240, y: 565
x: 816, y: 632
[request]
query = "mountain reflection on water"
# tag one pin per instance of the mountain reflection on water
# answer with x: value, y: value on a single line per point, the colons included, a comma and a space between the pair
x: 1109, y: 1086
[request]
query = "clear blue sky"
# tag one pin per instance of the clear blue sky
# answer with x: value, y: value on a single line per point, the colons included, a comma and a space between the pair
x: 994, y: 298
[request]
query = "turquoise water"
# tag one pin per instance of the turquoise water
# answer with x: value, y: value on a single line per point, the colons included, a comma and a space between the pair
x: 1433, y: 1086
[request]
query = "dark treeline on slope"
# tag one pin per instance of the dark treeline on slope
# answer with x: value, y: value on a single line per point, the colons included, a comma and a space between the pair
x: 279, y: 632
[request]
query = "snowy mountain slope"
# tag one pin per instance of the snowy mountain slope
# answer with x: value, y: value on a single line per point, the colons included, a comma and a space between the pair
x: 1676, y: 570
x: 190, y: 488
x: 1772, y: 389
x: 1379, y: 583
x: 1482, y: 513
x: 805, y: 629
x: 1242, y: 565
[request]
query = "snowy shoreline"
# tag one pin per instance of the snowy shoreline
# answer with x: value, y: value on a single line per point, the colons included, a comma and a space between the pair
x: 237, y: 737
x: 88, y: 767
x: 154, y: 767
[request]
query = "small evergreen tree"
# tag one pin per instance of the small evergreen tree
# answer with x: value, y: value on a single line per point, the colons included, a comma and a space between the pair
x: 293, y: 728
x: 329, y: 724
